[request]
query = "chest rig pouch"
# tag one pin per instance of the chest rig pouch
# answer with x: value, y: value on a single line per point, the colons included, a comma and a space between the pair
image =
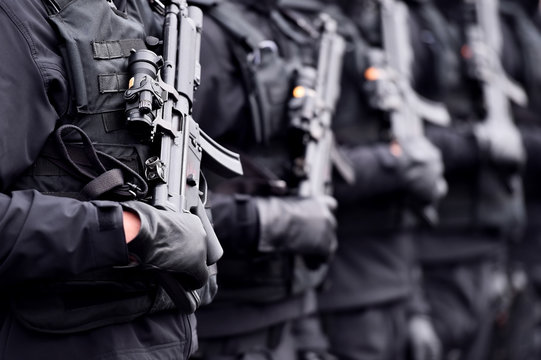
x: 96, y: 41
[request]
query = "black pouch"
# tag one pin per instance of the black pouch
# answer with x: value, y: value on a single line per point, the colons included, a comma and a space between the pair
x: 97, y: 39
x: 267, y: 75
x: 270, y: 80
x: 260, y: 279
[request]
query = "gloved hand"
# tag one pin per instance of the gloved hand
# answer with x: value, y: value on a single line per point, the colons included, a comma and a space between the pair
x: 304, y: 226
x: 170, y: 241
x: 209, y: 291
x: 424, y: 342
x: 421, y: 169
x: 501, y: 145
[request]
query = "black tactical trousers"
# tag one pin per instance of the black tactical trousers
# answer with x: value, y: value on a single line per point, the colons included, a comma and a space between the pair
x: 370, y: 333
x: 518, y: 333
x: 463, y: 306
x: 274, y: 343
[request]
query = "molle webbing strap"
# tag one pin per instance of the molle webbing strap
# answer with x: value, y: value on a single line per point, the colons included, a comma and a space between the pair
x: 114, y: 49
x: 113, y: 83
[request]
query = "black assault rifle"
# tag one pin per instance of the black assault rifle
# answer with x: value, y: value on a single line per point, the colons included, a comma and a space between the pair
x: 482, y: 53
x: 311, y: 110
x: 483, y: 49
x: 390, y: 79
x: 159, y: 105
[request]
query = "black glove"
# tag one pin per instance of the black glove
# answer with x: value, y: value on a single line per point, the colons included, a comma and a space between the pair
x: 424, y: 343
x: 304, y: 226
x: 420, y: 168
x: 171, y: 242
x: 501, y: 145
x: 209, y: 291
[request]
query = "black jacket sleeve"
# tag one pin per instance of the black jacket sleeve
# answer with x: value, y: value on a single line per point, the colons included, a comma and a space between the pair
x: 375, y: 173
x: 458, y: 146
x: 42, y: 236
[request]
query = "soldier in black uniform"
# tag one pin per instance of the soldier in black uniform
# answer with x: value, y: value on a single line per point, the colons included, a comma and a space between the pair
x: 71, y: 287
x: 268, y: 233
x: 523, y: 44
x: 464, y: 259
x: 365, y: 303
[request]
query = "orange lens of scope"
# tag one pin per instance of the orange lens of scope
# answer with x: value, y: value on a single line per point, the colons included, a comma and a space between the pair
x: 299, y: 91
x: 396, y: 149
x: 466, y: 52
x: 372, y: 74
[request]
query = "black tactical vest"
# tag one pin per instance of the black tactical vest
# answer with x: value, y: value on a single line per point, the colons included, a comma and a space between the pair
x: 96, y: 59
x: 96, y: 39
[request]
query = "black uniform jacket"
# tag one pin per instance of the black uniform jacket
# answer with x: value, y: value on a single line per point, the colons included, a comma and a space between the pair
x: 52, y: 237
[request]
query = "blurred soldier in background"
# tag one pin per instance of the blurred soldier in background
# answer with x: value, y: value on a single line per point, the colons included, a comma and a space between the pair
x: 310, y: 341
x: 365, y: 304
x: 464, y: 259
x: 275, y: 241
x: 521, y: 59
